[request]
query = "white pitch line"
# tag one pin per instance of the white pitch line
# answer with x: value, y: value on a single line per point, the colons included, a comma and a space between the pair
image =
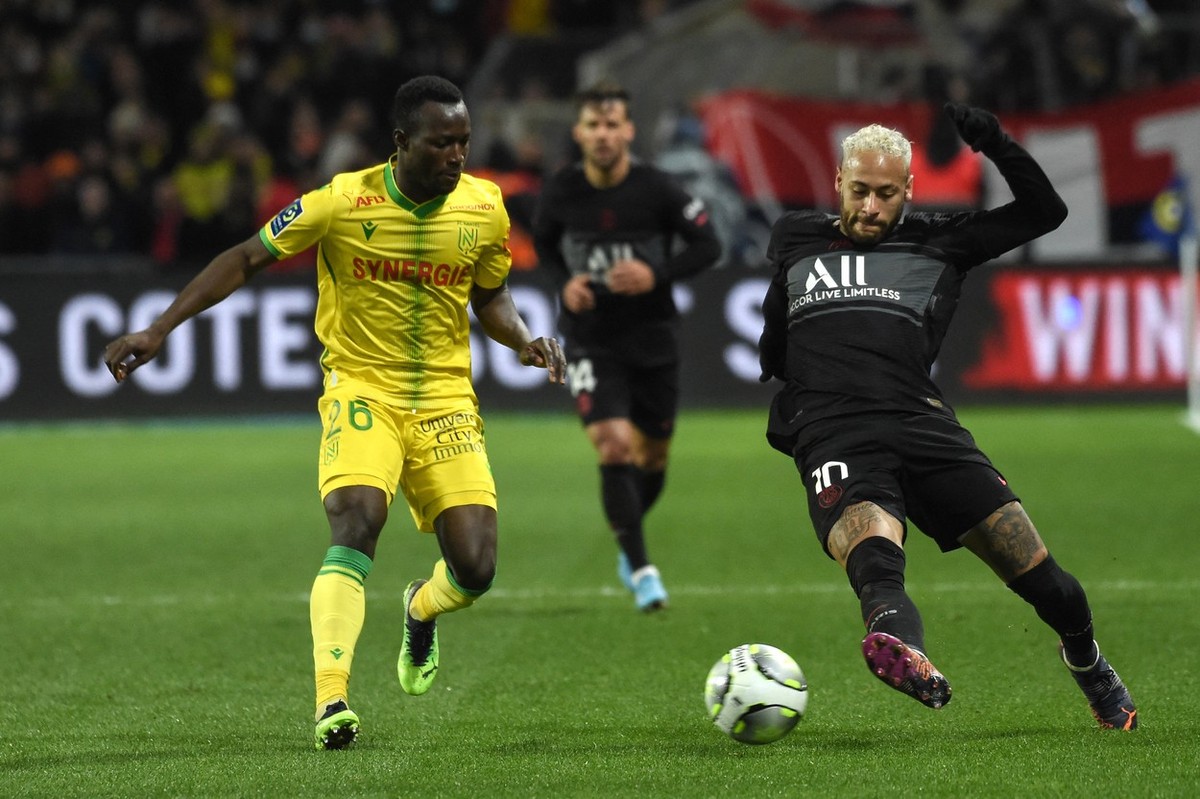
x: 1094, y: 588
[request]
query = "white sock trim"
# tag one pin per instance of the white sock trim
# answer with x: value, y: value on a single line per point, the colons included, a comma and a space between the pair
x: 1089, y: 667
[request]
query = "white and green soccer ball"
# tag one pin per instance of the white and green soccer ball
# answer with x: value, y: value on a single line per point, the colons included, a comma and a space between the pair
x: 756, y: 693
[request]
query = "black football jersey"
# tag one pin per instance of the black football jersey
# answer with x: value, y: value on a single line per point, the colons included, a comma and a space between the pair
x: 579, y: 229
x: 855, y: 328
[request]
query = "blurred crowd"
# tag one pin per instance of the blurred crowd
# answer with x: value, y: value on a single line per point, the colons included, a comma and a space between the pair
x: 1052, y: 54
x: 170, y: 129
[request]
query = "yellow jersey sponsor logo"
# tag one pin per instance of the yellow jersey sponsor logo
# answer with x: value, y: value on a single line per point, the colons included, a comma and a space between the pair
x: 386, y: 270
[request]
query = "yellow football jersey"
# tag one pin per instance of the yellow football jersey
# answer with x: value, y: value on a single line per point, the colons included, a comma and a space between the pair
x: 394, y: 278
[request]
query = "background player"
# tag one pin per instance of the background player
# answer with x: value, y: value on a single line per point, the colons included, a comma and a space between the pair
x: 854, y: 318
x: 606, y: 229
x: 404, y: 246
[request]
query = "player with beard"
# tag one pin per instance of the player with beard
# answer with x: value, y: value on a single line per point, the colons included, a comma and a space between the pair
x: 854, y: 317
x: 606, y: 230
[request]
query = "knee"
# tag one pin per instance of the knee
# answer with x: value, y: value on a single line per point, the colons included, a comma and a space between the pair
x: 613, y: 440
x: 655, y: 455
x: 475, y: 578
x: 356, y: 516
x: 614, y: 451
x: 467, y: 536
x: 1048, y: 584
x: 876, y: 559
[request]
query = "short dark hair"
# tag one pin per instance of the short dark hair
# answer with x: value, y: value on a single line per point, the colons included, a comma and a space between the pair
x: 600, y: 93
x: 418, y: 91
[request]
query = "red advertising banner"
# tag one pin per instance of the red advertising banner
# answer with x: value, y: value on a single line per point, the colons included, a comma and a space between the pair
x: 1086, y: 331
x: 1109, y: 160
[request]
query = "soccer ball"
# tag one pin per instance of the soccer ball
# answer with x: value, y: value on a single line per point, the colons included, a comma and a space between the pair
x: 755, y: 693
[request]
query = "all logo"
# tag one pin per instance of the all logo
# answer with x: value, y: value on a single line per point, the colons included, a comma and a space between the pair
x: 845, y: 281
x: 601, y: 257
x: 821, y: 274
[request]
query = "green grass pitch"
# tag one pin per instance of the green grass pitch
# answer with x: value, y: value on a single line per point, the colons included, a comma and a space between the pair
x: 156, y: 642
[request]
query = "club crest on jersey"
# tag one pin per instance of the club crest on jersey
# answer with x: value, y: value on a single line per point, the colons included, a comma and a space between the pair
x: 286, y: 217
x: 329, y: 451
x: 468, y: 238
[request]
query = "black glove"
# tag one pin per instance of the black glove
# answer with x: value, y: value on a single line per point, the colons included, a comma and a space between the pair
x: 977, y: 127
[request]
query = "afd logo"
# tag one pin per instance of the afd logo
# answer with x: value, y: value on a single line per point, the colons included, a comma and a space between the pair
x: 286, y: 217
x: 821, y: 274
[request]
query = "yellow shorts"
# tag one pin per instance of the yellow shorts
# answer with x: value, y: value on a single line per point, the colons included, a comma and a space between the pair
x: 437, y: 458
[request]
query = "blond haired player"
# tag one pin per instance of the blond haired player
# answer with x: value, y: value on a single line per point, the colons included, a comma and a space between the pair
x: 404, y: 246
x: 853, y: 322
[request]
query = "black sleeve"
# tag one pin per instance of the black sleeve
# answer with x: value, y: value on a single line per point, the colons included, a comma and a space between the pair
x: 1036, y: 209
x: 772, y: 344
x: 692, y: 222
x: 547, y: 236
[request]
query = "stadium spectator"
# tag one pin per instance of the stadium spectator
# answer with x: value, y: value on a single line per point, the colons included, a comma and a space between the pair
x: 147, y: 73
x: 95, y: 224
x: 947, y: 175
x: 150, y: 73
x: 13, y: 218
x: 684, y: 157
x: 202, y: 180
x: 1051, y: 54
x: 399, y: 408
x: 605, y: 231
x: 854, y: 317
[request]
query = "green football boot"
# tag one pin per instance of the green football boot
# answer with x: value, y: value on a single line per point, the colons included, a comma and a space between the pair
x: 337, y: 728
x: 418, y: 663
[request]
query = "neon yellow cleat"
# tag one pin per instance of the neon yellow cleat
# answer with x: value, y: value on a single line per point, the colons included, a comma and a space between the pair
x: 337, y: 728
x: 418, y: 662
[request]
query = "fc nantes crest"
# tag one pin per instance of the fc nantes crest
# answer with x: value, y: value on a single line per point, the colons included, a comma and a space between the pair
x: 468, y: 238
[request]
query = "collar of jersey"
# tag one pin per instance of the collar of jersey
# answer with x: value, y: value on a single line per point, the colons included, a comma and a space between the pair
x: 419, y: 211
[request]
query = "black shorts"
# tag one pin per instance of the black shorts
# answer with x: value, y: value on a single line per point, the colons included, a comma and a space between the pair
x: 920, y: 467
x: 609, y: 383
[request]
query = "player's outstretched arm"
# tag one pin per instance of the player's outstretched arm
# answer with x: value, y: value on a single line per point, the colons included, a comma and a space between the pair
x: 1036, y: 208
x: 221, y: 277
x: 498, y: 315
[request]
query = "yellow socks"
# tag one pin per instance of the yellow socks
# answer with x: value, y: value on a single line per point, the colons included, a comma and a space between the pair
x: 441, y: 595
x: 337, y: 608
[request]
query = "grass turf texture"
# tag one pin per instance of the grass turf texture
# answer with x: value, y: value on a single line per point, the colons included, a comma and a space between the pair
x: 154, y: 611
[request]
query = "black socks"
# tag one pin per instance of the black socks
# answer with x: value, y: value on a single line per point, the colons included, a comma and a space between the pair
x: 876, y: 571
x: 1060, y: 601
x: 621, y: 495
